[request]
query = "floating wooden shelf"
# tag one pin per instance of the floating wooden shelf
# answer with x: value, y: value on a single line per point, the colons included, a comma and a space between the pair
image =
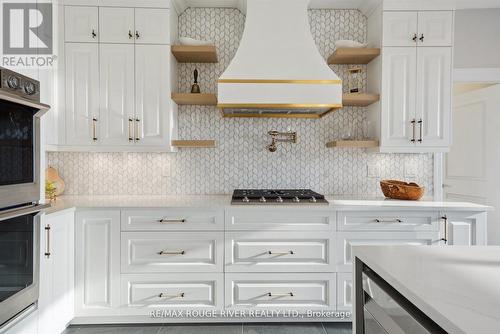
x: 195, y: 99
x: 193, y: 143
x: 352, y: 144
x: 353, y: 55
x: 359, y: 99
x: 195, y: 53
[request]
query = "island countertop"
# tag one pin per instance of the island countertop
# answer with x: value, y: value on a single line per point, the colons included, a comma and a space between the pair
x: 456, y: 286
x: 224, y: 201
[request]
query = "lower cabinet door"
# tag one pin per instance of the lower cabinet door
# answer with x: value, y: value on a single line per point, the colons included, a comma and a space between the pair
x: 281, y: 291
x: 345, y: 241
x: 142, y: 293
x: 172, y: 252
x: 344, y: 292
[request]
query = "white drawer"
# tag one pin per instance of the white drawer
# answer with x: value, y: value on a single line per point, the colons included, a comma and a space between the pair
x: 176, y: 291
x: 265, y: 218
x: 172, y: 252
x: 174, y: 219
x: 345, y: 241
x: 278, y: 291
x: 345, y: 292
x: 388, y: 221
x: 279, y: 252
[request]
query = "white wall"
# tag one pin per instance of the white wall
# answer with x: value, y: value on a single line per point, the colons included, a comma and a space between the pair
x: 477, y: 38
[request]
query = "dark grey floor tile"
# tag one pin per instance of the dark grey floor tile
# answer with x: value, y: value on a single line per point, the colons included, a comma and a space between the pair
x: 338, y: 327
x: 125, y: 329
x: 286, y: 328
x: 202, y: 329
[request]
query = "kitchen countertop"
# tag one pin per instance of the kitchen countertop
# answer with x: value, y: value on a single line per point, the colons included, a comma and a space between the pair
x: 223, y: 201
x: 456, y: 286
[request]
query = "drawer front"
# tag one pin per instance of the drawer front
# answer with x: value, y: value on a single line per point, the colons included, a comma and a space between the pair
x: 180, y: 219
x: 345, y: 292
x: 388, y: 221
x: 176, y: 291
x: 345, y: 241
x: 279, y: 252
x: 172, y: 252
x: 278, y: 291
x: 292, y: 219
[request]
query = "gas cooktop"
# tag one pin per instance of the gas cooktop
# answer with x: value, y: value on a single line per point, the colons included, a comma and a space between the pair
x: 277, y: 197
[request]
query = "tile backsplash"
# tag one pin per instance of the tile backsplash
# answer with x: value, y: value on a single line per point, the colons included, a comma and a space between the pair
x: 240, y: 159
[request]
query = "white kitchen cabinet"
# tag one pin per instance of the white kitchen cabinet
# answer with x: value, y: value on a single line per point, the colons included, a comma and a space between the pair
x: 400, y: 28
x: 81, y: 24
x: 435, y: 28
x: 116, y: 76
x: 434, y: 89
x: 399, y: 88
x: 56, y: 300
x: 464, y: 228
x: 97, y: 262
x: 153, y: 109
x: 345, y: 292
x: 386, y: 220
x: 82, y: 93
x: 152, y: 26
x: 116, y: 25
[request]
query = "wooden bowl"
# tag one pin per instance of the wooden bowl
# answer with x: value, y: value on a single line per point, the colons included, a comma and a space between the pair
x: 402, y: 190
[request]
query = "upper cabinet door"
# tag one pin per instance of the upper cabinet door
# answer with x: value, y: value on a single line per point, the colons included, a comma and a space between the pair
x: 433, y: 96
x: 400, y: 28
x: 398, y: 98
x: 152, y: 26
x: 116, y: 25
x: 116, y: 93
x: 82, y: 93
x: 435, y: 28
x: 81, y: 24
x: 152, y: 89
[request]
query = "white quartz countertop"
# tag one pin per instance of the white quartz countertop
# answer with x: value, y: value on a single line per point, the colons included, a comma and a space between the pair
x: 224, y: 201
x: 456, y: 286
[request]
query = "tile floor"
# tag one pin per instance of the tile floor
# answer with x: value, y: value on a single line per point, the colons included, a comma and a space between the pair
x: 238, y: 328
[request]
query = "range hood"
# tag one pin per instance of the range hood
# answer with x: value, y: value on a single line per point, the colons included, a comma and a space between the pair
x: 277, y: 70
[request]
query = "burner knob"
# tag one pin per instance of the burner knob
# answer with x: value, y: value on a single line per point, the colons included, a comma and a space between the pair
x: 13, y: 82
x: 262, y: 199
x: 30, y: 88
x: 313, y: 199
x: 245, y: 199
x: 296, y: 199
x: 279, y: 199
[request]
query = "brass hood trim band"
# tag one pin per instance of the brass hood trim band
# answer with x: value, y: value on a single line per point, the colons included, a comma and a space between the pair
x: 278, y: 81
x: 277, y: 105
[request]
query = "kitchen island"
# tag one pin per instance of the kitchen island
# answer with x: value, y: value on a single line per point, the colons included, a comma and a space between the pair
x: 135, y: 255
x: 428, y: 289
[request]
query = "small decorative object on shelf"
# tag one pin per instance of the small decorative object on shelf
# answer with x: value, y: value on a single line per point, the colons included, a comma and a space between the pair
x: 195, y: 88
x: 402, y: 190
x: 355, y: 79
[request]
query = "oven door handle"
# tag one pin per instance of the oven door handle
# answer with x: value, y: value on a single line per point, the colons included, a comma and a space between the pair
x: 24, y: 210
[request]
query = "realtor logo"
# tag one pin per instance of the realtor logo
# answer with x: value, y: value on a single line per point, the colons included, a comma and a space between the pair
x: 27, y: 28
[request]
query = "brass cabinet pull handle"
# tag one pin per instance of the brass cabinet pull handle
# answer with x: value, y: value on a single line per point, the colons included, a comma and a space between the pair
x: 415, y: 37
x: 171, y: 221
x: 130, y: 36
x: 94, y: 35
x: 445, y: 238
x: 413, y: 124
x: 137, y: 36
x: 421, y: 38
x: 421, y: 131
x: 94, y: 129
x: 164, y: 295
x: 289, y: 294
x: 397, y: 220
x: 137, y: 127
x: 180, y: 252
x: 130, y: 125
x: 47, y: 245
x: 290, y: 252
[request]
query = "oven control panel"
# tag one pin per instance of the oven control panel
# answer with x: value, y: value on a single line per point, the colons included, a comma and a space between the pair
x: 20, y: 85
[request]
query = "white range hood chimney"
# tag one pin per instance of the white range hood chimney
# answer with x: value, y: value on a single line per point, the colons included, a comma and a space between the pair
x: 277, y: 70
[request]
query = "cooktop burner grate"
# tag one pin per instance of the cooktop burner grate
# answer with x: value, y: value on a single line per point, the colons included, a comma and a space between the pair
x: 277, y: 196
